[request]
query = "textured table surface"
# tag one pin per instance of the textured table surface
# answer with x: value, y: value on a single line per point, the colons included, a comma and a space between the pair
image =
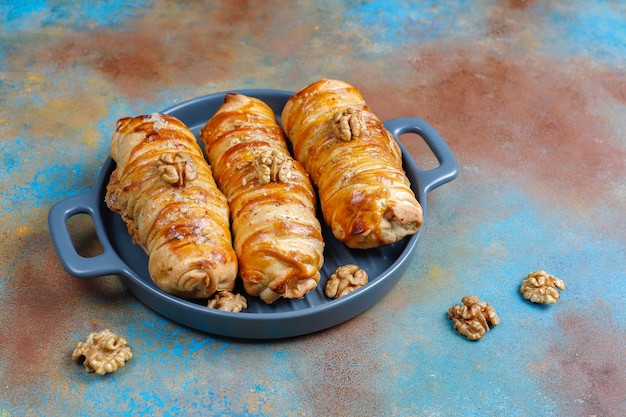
x: 531, y: 98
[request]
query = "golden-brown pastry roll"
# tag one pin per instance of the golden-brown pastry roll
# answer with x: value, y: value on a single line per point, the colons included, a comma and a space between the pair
x: 276, y: 234
x: 164, y: 191
x: 355, y: 163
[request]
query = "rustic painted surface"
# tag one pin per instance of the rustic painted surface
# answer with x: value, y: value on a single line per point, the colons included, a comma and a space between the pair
x: 531, y: 97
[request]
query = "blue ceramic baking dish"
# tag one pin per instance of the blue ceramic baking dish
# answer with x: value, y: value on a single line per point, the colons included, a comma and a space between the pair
x: 285, y: 318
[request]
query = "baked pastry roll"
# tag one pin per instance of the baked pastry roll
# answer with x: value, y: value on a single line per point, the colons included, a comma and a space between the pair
x: 355, y: 163
x: 276, y: 234
x: 164, y: 191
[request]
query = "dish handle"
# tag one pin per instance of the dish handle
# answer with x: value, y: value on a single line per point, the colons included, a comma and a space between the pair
x: 448, y: 168
x: 106, y: 263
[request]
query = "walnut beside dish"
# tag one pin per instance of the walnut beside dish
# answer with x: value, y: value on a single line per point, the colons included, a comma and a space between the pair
x: 103, y: 352
x: 164, y: 191
x: 473, y: 318
x: 277, y: 236
x: 356, y: 164
x: 541, y: 287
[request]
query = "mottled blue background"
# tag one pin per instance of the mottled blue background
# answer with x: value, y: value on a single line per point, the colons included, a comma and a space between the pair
x: 530, y: 96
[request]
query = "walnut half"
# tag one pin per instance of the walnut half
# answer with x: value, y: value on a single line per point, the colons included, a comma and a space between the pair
x: 227, y: 301
x: 176, y: 168
x: 347, y: 124
x: 345, y: 280
x: 472, y: 319
x: 272, y: 166
x: 541, y: 287
x: 103, y: 352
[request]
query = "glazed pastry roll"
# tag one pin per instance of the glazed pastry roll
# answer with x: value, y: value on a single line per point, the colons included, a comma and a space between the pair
x: 164, y: 191
x: 276, y: 234
x: 355, y: 163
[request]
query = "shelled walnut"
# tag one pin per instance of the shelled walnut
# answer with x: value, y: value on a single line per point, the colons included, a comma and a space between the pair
x: 228, y: 301
x: 176, y: 168
x: 272, y: 167
x: 103, y: 352
x: 345, y: 280
x: 541, y: 287
x: 347, y: 124
x: 472, y: 319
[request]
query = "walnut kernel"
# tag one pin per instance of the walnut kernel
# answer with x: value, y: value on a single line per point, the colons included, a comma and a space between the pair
x: 345, y: 280
x: 176, y: 168
x: 272, y: 166
x: 541, y: 287
x: 347, y: 124
x: 227, y: 301
x: 472, y: 319
x: 103, y: 352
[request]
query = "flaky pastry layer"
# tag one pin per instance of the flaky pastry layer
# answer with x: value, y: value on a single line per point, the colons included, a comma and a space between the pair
x: 277, y: 236
x: 164, y: 191
x: 356, y: 164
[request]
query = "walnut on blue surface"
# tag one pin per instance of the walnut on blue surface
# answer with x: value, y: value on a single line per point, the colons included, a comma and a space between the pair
x: 473, y: 317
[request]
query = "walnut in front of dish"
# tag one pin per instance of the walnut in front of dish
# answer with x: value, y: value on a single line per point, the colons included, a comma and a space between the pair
x: 472, y: 319
x: 103, y: 352
x: 228, y: 301
x: 541, y: 287
x: 345, y: 280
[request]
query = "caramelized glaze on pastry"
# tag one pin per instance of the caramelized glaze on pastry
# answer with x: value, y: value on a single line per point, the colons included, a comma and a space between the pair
x: 164, y: 191
x: 277, y: 236
x: 355, y: 163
